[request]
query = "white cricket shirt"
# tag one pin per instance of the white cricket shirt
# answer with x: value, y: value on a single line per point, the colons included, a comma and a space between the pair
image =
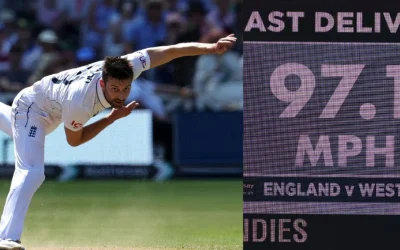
x: 74, y: 96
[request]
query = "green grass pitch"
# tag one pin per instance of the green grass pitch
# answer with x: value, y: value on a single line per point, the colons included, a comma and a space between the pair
x: 134, y: 215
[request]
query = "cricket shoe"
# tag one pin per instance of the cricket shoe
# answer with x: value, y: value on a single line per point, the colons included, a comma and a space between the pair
x: 11, y: 245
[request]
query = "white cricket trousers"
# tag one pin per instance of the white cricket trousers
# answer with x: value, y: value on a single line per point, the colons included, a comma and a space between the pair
x: 27, y: 123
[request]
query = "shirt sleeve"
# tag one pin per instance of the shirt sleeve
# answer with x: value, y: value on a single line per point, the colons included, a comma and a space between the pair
x: 74, y: 117
x: 140, y: 61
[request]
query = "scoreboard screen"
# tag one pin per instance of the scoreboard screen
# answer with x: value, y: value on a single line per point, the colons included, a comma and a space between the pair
x: 321, y: 124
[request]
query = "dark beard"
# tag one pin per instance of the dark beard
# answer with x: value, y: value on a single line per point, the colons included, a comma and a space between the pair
x: 111, y: 102
x: 116, y: 106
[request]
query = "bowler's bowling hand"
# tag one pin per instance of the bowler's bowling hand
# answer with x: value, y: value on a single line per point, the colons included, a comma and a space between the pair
x: 223, y: 44
x: 116, y: 114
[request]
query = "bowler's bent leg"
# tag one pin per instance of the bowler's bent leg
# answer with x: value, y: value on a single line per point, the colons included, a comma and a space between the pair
x: 29, y: 137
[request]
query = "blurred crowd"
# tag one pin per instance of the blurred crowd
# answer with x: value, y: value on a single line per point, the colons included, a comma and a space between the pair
x: 42, y: 37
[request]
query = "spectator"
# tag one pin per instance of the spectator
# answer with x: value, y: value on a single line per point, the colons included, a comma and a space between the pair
x: 109, y: 27
x: 9, y: 36
x: 175, y: 27
x: 50, y: 14
x: 119, y: 28
x: 196, y: 29
x: 3, y: 52
x: 67, y: 59
x: 197, y: 26
x: 32, y: 51
x: 148, y: 31
x: 23, y: 35
x: 101, y: 12
x: 76, y: 10
x: 24, y: 31
x: 85, y: 56
x: 15, y: 78
x: 173, y: 7
x: 218, y: 81
x: 183, y: 5
x: 49, y: 55
x: 223, y: 15
x: 75, y: 21
x: 17, y: 5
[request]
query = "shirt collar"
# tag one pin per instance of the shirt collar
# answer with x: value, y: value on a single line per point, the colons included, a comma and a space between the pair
x: 101, y: 97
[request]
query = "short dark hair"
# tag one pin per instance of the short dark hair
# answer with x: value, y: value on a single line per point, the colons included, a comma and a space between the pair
x: 117, y: 67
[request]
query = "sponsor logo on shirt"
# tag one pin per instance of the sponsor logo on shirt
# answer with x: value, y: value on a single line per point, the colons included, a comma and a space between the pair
x: 142, y: 60
x: 76, y: 125
x: 32, y: 131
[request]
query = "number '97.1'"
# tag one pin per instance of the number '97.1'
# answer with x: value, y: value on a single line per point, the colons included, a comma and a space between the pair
x: 299, y: 98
